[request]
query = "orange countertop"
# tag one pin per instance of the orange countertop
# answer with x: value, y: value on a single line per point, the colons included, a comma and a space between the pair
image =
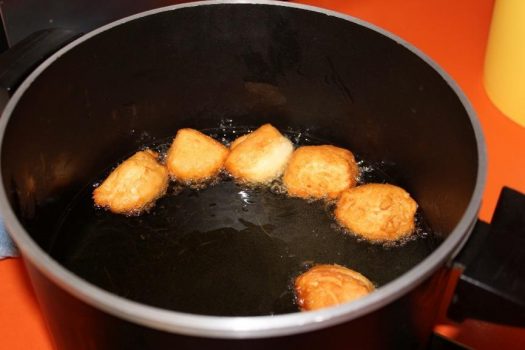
x: 454, y: 34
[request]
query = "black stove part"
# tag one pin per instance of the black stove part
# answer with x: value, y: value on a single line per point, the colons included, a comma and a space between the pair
x: 21, y: 18
x: 4, y: 45
x: 437, y: 342
x: 492, y: 286
x: 17, y: 62
x: 476, y: 240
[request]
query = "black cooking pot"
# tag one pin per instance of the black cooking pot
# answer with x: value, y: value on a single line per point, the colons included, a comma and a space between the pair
x: 226, y: 66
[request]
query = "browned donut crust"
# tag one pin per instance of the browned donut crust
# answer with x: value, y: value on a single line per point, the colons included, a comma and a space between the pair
x: 377, y: 212
x: 260, y: 156
x: 238, y: 141
x: 195, y: 157
x: 328, y: 285
x: 134, y: 185
x: 320, y: 172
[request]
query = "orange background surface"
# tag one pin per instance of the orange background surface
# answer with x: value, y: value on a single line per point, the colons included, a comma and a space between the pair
x: 454, y: 34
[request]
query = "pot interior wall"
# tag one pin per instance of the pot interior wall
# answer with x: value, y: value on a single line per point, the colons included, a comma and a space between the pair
x: 238, y: 65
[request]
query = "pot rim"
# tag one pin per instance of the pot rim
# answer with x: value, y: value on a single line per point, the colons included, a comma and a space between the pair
x: 253, y: 326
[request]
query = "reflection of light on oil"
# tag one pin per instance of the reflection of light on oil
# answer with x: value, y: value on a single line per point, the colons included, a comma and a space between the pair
x: 245, y: 197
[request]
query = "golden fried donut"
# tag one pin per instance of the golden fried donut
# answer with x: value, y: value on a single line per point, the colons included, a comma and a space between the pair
x: 328, y: 285
x: 320, y: 171
x: 377, y: 212
x: 134, y: 185
x: 238, y: 141
x: 194, y: 157
x: 260, y: 156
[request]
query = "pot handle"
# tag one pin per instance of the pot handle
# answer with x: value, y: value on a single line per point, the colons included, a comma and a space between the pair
x: 491, y: 286
x: 17, y: 62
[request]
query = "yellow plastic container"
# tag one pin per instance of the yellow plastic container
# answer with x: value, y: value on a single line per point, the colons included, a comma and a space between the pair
x: 504, y: 75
